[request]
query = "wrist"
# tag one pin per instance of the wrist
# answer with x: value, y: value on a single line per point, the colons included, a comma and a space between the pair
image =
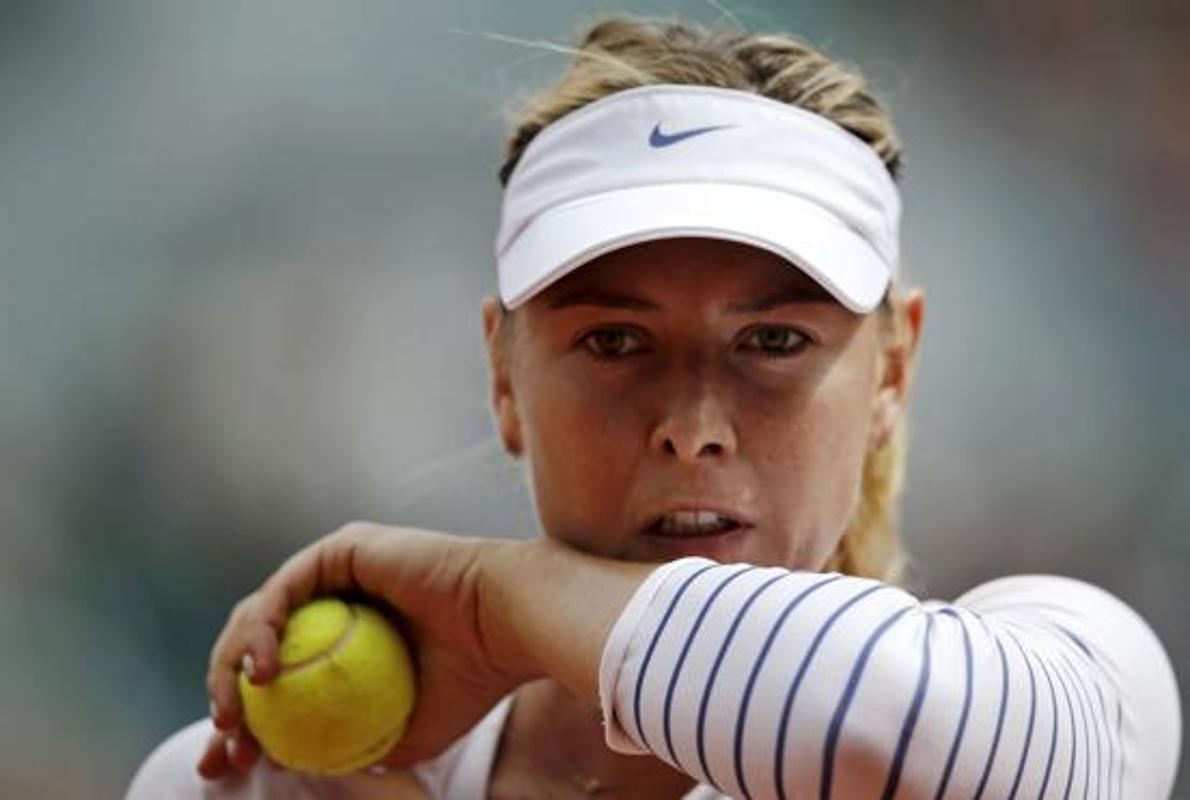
x: 505, y: 568
x: 547, y: 609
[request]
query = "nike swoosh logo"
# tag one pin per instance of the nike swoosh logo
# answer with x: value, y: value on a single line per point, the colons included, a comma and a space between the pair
x: 659, y: 139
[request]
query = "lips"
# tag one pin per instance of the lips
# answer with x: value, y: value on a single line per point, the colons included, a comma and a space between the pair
x: 692, y: 520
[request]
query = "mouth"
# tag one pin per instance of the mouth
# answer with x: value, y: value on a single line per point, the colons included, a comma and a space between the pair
x: 694, y: 523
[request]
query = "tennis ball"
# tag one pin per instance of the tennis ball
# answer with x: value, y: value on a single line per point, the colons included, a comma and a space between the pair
x: 343, y: 694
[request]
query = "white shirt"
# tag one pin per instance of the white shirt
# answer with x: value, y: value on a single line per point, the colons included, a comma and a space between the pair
x: 771, y: 683
x: 766, y: 682
x: 461, y: 773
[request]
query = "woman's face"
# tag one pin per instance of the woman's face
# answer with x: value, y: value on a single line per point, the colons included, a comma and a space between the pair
x: 696, y: 397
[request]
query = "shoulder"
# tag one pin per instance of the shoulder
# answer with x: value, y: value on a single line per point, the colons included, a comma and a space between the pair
x: 170, y: 771
x: 459, y: 772
x: 1109, y: 641
x: 1100, y: 624
x: 169, y: 774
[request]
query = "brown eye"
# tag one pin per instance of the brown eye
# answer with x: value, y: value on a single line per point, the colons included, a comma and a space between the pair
x: 775, y: 341
x: 608, y: 343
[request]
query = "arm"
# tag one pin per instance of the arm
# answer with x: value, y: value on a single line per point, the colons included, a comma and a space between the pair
x: 771, y: 683
x: 784, y: 681
x: 484, y: 617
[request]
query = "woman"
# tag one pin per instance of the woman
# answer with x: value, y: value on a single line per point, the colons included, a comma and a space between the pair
x: 703, y: 354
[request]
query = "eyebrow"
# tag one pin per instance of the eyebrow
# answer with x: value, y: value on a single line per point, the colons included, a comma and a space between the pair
x: 785, y: 297
x: 623, y: 301
x: 604, y: 300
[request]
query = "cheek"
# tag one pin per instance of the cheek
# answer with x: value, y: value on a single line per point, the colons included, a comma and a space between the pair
x: 568, y: 424
x: 581, y: 454
x: 811, y: 459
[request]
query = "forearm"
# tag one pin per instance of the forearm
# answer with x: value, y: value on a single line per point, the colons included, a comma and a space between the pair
x: 548, y: 609
x: 766, y: 682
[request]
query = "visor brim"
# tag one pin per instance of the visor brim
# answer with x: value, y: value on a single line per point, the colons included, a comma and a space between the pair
x: 565, y: 237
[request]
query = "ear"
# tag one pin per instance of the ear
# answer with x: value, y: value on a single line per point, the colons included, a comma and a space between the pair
x: 898, y: 359
x: 499, y: 365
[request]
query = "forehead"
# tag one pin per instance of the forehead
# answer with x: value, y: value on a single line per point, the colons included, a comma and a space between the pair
x: 689, y: 267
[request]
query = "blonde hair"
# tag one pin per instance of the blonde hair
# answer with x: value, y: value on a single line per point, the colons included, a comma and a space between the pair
x: 619, y: 53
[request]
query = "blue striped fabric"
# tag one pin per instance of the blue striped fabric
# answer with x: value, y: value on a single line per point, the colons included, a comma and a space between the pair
x: 771, y: 683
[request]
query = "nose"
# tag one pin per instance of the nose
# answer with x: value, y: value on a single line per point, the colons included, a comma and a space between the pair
x: 696, y: 425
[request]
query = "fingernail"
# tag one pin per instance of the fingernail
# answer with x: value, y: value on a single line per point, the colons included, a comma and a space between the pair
x: 214, y: 712
x: 248, y: 665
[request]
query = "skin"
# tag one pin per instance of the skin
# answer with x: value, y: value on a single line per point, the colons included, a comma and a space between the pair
x: 668, y: 396
x: 689, y: 405
x: 635, y: 385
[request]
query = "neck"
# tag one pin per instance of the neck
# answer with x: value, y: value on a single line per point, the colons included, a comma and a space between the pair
x: 553, y: 739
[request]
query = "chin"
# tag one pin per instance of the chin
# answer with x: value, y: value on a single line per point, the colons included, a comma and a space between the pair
x: 734, y: 546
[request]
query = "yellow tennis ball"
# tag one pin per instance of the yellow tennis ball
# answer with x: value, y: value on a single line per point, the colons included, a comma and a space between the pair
x: 343, y: 694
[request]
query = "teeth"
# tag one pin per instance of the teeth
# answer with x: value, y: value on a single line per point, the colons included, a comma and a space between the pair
x: 694, y: 523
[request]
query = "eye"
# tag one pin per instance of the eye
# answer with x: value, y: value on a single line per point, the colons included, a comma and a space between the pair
x: 611, y: 343
x: 775, y: 341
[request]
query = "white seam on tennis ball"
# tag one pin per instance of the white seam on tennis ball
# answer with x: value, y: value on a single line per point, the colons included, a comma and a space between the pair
x: 331, y: 651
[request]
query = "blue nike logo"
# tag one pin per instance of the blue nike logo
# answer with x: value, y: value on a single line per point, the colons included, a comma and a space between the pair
x: 659, y: 139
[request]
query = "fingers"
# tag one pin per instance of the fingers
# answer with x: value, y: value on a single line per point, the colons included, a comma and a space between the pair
x: 247, y: 643
x: 259, y: 660
x: 249, y: 640
x: 243, y: 752
x: 226, y: 658
x: 227, y: 754
x: 328, y: 565
x: 224, y: 695
x: 214, y: 763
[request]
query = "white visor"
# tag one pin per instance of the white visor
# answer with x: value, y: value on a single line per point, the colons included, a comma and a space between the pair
x: 673, y: 160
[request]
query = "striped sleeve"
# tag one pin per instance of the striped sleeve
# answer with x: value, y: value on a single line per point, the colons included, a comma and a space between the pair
x: 770, y: 683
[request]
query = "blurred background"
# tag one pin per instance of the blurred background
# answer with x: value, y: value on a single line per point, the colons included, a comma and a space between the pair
x: 243, y: 247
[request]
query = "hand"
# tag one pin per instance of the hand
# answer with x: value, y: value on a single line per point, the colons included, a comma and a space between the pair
x: 435, y: 583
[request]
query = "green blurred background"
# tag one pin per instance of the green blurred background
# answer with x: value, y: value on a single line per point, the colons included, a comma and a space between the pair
x: 244, y: 246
